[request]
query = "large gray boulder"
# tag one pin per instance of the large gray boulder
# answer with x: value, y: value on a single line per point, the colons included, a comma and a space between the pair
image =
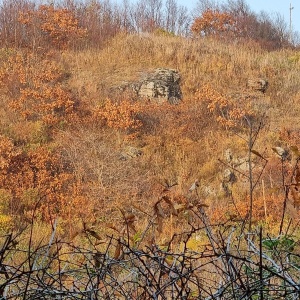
x: 257, y: 84
x: 162, y: 85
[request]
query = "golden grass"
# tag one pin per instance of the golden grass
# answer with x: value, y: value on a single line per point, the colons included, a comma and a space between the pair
x: 200, y: 61
x: 183, y: 153
x: 179, y: 144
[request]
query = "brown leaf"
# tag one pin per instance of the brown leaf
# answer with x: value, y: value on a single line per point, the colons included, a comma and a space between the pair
x: 159, y: 224
x: 130, y: 218
x: 169, y: 202
x: 129, y: 221
x: 202, y: 205
x: 257, y: 154
x: 97, y: 259
x: 117, y: 253
x: 93, y: 233
x: 297, y: 175
x: 295, y: 192
x: 158, y: 209
x: 160, y: 213
x: 131, y: 226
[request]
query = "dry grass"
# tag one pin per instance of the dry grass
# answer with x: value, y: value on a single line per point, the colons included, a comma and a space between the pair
x: 184, y: 143
x: 179, y: 144
x: 200, y: 61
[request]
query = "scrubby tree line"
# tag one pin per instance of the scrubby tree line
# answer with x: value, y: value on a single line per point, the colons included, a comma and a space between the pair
x: 235, y: 18
x: 26, y: 23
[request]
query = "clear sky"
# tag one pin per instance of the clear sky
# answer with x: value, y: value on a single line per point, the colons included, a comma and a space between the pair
x: 269, y: 6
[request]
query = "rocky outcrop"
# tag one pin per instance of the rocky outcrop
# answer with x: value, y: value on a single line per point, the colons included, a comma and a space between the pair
x: 162, y: 85
x: 257, y: 84
x: 229, y: 179
x: 236, y: 162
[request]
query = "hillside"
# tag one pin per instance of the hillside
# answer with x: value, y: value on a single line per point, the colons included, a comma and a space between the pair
x: 178, y: 143
x: 183, y: 143
x: 110, y: 195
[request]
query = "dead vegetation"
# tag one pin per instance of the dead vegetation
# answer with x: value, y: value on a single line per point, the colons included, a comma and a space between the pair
x: 146, y: 199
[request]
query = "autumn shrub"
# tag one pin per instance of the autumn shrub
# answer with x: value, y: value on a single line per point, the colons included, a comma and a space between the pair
x: 120, y: 115
x: 36, y: 90
x: 33, y: 173
x: 215, y: 22
x: 50, y: 26
x: 227, y: 112
x: 267, y: 209
x: 236, y: 20
x: 37, y: 183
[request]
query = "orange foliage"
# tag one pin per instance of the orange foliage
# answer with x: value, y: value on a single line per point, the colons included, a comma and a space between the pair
x: 57, y: 26
x: 290, y: 136
x: 214, y: 22
x: 121, y: 115
x: 265, y: 209
x: 228, y: 113
x: 37, y: 180
x: 35, y: 88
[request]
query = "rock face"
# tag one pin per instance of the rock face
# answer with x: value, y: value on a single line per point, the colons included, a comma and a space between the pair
x: 258, y: 84
x: 239, y: 163
x: 229, y: 179
x: 162, y: 85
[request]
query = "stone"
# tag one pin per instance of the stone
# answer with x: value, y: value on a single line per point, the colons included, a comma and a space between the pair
x: 229, y: 176
x: 209, y: 191
x: 239, y: 163
x: 258, y: 84
x: 229, y: 179
x: 228, y: 155
x: 163, y: 85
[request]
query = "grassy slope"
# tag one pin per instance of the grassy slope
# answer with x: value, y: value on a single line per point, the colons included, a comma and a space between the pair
x: 183, y: 144
x: 179, y: 143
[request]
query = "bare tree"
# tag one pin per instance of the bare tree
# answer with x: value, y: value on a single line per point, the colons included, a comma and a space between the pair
x: 11, y: 29
x: 171, y: 15
x: 184, y: 21
x: 126, y: 23
x: 237, y: 8
x: 176, y: 18
x: 137, y: 16
x: 203, y: 5
x: 147, y: 15
x: 154, y: 11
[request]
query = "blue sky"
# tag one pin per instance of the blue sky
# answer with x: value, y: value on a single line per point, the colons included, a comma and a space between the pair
x: 270, y: 6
